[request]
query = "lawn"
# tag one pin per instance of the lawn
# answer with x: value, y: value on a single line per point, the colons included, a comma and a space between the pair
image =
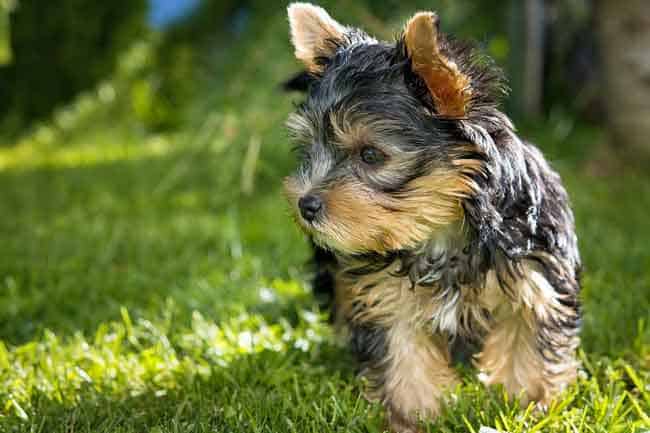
x: 153, y: 282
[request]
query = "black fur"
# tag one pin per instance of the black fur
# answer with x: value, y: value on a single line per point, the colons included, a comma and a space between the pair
x: 299, y: 82
x: 324, y: 262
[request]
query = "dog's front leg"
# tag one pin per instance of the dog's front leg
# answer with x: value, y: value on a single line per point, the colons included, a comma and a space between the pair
x: 531, y: 348
x: 407, y: 369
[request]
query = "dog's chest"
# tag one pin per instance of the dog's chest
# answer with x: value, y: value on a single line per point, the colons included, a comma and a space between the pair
x: 386, y: 299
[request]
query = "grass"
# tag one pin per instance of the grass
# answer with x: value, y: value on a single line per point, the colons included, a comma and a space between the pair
x: 142, y: 289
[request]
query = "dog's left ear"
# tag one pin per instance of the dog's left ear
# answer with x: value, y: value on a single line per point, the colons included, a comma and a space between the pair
x: 315, y: 35
x: 449, y: 88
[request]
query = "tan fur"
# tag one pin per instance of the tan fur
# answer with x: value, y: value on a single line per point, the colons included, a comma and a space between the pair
x: 352, y: 135
x: 511, y: 355
x: 385, y: 299
x: 418, y: 373
x: 415, y: 373
x: 314, y: 34
x: 354, y: 130
x: 449, y: 87
x: 381, y: 298
x: 360, y: 219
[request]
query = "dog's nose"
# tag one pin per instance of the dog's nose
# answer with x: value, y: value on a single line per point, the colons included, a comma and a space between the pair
x: 309, y: 206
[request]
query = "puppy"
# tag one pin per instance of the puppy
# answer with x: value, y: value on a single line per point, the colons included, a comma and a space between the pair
x: 432, y: 219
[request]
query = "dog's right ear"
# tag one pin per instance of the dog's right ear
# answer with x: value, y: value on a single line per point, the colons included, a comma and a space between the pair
x: 315, y: 35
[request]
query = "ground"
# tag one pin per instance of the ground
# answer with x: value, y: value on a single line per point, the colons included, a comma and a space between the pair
x: 154, y: 282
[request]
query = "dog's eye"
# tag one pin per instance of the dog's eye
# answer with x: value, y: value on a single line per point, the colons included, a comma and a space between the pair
x: 372, y: 156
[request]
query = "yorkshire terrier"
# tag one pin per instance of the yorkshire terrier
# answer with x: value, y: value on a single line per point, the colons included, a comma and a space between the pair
x: 432, y: 220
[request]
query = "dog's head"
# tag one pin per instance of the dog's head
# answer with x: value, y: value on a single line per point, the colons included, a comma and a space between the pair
x: 389, y: 133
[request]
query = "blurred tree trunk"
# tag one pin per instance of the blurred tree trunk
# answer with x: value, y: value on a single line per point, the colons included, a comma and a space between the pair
x: 624, y: 33
x: 527, y: 69
x: 6, y: 6
x: 533, y: 57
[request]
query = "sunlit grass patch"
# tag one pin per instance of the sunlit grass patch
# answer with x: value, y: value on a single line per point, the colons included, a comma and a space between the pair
x: 96, y: 148
x: 128, y: 358
x: 252, y: 372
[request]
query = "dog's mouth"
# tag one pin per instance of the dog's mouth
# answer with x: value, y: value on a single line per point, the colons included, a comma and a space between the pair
x: 313, y: 228
x: 322, y: 240
x: 316, y: 229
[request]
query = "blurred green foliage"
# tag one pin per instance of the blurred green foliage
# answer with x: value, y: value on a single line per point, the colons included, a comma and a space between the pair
x: 47, y: 71
x: 179, y: 59
x: 98, y: 42
x: 61, y: 49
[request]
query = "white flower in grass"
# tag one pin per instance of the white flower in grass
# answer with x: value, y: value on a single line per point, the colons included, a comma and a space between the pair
x: 267, y: 295
x: 245, y: 340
